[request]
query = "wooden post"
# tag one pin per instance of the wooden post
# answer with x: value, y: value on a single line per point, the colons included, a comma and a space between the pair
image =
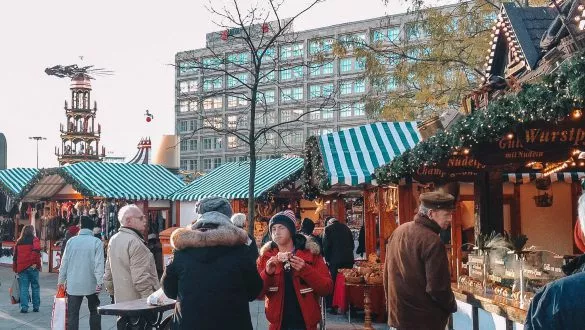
x: 489, y: 203
x: 406, y: 204
x: 340, y: 211
x: 575, y: 193
x: 178, y: 213
x: 515, y: 213
x: 456, y: 242
x: 370, y: 222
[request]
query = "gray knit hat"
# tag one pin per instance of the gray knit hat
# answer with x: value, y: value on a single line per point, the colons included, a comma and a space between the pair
x: 217, y: 204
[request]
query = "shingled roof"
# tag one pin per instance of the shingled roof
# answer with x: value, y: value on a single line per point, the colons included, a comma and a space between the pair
x: 529, y: 24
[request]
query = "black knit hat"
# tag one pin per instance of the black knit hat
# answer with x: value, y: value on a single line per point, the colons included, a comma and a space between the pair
x: 307, y: 226
x: 285, y: 219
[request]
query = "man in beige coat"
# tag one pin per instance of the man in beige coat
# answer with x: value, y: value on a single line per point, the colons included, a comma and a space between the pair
x: 130, y: 268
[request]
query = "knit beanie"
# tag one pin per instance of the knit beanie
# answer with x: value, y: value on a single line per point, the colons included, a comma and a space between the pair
x: 217, y: 204
x: 73, y: 230
x: 285, y: 218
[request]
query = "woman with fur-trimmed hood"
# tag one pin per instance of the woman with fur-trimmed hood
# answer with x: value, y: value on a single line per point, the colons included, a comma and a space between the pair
x: 211, y: 275
x: 294, y: 275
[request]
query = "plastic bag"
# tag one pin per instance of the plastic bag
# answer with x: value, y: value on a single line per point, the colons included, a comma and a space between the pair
x: 14, y: 291
x: 158, y: 297
x: 59, y: 317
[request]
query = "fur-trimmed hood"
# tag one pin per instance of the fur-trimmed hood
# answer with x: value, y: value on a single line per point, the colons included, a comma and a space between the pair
x: 301, y: 242
x: 226, y: 234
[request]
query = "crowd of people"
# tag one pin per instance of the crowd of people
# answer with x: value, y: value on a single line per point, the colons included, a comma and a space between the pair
x: 217, y: 269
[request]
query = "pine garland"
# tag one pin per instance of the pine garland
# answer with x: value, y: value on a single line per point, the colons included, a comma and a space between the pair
x: 314, y: 171
x: 550, y: 100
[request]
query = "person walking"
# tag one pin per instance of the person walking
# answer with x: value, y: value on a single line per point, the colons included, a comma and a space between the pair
x: 81, y: 273
x: 211, y: 275
x: 560, y: 304
x: 307, y: 228
x: 338, y: 248
x: 27, y: 264
x: 239, y: 220
x: 130, y: 268
x: 416, y: 275
x: 294, y: 276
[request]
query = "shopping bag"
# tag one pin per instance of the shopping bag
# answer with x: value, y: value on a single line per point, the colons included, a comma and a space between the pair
x: 59, y: 318
x: 158, y: 298
x: 14, y: 291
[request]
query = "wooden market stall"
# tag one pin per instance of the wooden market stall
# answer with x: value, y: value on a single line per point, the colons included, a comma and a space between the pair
x: 515, y: 163
x: 99, y: 190
x: 338, y: 176
x: 13, y: 215
x: 276, y: 188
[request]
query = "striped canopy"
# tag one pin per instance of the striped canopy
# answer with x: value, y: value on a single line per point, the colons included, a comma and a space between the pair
x: 350, y: 156
x: 13, y: 180
x: 555, y: 177
x: 230, y: 180
x: 107, y: 180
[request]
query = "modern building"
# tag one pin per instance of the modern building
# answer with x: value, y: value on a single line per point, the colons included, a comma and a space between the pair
x: 306, y: 72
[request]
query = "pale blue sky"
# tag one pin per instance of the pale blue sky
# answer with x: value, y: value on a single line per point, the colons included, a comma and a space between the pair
x: 136, y: 39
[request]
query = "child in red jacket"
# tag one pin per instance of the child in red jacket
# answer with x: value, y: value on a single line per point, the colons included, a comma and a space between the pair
x: 294, y: 276
x: 27, y: 264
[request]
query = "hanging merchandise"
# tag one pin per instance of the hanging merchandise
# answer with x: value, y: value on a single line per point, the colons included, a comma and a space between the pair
x: 7, y: 229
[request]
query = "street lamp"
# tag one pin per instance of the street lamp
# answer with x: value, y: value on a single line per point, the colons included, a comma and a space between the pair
x: 37, y: 138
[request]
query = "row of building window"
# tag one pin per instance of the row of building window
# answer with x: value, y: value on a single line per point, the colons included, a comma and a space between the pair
x: 287, y: 95
x: 414, y: 31
x: 346, y: 65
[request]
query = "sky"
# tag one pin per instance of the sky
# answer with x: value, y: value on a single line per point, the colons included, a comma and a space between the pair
x: 135, y: 39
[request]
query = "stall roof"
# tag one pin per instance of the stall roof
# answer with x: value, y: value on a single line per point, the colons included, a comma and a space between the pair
x: 13, y: 180
x: 568, y: 177
x: 107, y: 180
x: 231, y: 179
x: 350, y: 156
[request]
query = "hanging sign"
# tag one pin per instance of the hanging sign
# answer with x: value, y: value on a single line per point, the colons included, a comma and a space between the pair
x: 457, y: 168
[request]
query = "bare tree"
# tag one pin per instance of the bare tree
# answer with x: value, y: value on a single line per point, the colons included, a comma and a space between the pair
x: 254, y: 47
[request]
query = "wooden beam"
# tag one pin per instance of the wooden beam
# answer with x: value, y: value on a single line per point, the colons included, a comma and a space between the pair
x: 178, y: 212
x: 515, y: 212
x: 489, y: 203
x: 369, y: 222
x: 406, y: 204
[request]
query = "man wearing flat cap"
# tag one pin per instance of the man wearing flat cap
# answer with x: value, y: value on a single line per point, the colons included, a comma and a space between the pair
x: 417, y: 282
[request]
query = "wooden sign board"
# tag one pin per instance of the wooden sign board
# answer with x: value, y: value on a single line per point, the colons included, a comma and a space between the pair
x: 456, y: 168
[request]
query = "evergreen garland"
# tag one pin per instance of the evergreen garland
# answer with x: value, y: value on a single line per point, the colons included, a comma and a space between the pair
x: 314, y: 171
x: 550, y: 100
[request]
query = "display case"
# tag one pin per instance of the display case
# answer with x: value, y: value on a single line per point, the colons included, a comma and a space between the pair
x: 509, y: 277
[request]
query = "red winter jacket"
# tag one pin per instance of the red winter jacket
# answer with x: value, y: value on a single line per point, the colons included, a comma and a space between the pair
x: 312, y: 282
x: 27, y: 254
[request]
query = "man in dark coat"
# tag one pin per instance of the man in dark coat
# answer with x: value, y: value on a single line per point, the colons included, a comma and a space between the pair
x: 417, y: 282
x: 211, y: 276
x: 338, y: 248
x: 307, y: 228
x: 560, y: 304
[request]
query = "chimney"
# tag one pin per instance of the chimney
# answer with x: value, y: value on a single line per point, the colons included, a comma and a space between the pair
x: 167, y: 154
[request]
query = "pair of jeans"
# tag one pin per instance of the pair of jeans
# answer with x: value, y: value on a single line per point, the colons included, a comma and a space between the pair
x: 73, y: 306
x: 29, y: 276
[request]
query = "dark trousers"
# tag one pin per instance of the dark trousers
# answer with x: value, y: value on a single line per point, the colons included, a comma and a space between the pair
x: 73, y: 306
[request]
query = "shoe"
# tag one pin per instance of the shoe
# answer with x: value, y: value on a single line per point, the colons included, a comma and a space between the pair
x: 36, y: 310
x: 23, y: 311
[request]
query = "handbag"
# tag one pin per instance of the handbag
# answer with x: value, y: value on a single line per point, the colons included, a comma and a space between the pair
x: 14, y: 291
x: 59, y: 315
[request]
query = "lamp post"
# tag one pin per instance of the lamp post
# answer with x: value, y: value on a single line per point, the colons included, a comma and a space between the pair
x: 37, y: 138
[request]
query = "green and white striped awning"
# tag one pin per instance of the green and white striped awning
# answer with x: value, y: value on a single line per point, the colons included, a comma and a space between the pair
x: 350, y: 156
x: 555, y: 177
x: 13, y: 180
x: 230, y: 180
x: 107, y: 180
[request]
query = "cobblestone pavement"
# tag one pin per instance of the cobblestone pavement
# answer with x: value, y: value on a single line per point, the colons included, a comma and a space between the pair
x: 11, y: 318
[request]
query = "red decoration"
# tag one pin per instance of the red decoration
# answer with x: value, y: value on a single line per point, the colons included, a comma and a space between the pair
x: 148, y: 119
x: 265, y: 27
x: 224, y: 35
